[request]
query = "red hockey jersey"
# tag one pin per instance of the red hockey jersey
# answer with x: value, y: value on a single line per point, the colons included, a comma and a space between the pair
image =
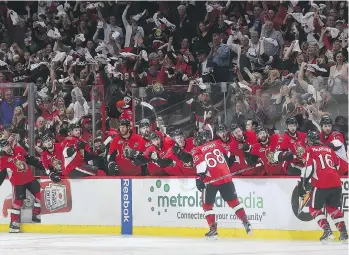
x: 324, y: 162
x: 77, y: 159
x: 54, y: 160
x: 266, y: 155
x: 153, y: 168
x: 209, y: 158
x: 235, y: 146
x: 17, y: 169
x: 134, y: 142
x: 180, y: 168
x: 296, y: 145
x: 337, y: 139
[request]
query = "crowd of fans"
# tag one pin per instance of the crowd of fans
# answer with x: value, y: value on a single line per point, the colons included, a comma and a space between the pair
x: 251, y: 63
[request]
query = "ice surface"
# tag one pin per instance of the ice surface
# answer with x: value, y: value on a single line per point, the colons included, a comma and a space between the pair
x: 42, y: 244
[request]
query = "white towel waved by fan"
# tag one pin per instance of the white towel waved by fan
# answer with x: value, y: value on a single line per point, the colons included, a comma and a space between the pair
x: 54, y: 34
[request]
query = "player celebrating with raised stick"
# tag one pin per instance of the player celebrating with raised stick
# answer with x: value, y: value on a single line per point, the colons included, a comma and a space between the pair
x: 321, y: 165
x: 210, y: 159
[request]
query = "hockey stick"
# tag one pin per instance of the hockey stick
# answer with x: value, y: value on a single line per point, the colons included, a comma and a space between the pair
x: 211, y: 130
x: 232, y: 174
x: 150, y: 107
x: 222, y: 177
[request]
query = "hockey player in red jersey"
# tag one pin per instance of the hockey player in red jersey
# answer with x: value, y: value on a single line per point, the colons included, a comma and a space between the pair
x: 52, y: 157
x: 224, y: 136
x: 145, y: 129
x: 267, y: 150
x: 183, y: 145
x: 14, y: 163
x: 243, y: 159
x: 211, y: 161
x: 335, y: 140
x: 321, y: 164
x: 76, y: 155
x: 120, y: 161
x: 295, y: 142
x: 155, y: 154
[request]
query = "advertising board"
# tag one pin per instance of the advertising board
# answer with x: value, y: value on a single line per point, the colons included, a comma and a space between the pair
x: 269, y: 204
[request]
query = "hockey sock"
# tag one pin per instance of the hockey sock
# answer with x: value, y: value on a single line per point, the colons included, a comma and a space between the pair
x: 209, y: 214
x: 319, y: 217
x: 37, y: 206
x: 16, y: 210
x: 238, y: 209
x: 337, y: 216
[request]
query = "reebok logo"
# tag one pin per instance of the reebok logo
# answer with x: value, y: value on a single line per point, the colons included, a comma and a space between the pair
x: 126, y: 200
x: 126, y: 207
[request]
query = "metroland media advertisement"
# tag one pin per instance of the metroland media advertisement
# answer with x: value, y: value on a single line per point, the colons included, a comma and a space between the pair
x: 177, y: 202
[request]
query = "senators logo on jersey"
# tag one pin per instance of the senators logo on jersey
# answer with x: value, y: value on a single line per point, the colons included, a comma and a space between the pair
x: 21, y: 166
x: 270, y: 157
x: 300, y: 151
x: 57, y: 164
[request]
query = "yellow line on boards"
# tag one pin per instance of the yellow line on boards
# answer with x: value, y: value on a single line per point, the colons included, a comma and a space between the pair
x: 170, y: 231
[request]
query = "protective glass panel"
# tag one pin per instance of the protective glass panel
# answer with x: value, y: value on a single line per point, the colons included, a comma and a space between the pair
x: 17, y: 114
x: 26, y: 113
x: 180, y: 106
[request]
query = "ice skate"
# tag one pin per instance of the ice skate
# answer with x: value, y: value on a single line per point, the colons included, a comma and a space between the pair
x: 36, y: 218
x: 14, y: 227
x: 327, y: 236
x: 344, y: 235
x: 212, y: 234
x: 248, y: 227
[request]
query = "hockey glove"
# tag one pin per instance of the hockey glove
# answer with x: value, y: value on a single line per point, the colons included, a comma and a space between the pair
x: 176, y: 149
x: 246, y: 147
x: 130, y: 153
x: 285, y: 156
x: 153, y: 156
x: 113, y: 168
x: 301, y: 189
x: 200, y: 185
x: 81, y: 145
x: 55, y: 177
x: 33, y: 161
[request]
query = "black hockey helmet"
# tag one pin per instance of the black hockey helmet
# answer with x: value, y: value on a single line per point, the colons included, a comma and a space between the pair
x: 234, y: 126
x: 144, y: 123
x: 313, y: 138
x: 221, y: 128
x: 154, y: 136
x: 200, y: 138
x: 46, y: 136
x: 4, y: 143
x: 178, y: 132
x: 291, y: 120
x: 260, y: 129
x: 125, y: 122
x: 74, y: 125
x: 325, y: 120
